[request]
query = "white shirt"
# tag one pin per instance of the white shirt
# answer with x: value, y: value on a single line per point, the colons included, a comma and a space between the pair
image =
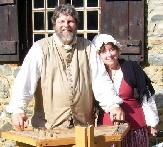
x: 26, y: 81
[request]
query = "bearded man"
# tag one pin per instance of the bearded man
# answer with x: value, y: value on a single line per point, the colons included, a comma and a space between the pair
x: 60, y: 72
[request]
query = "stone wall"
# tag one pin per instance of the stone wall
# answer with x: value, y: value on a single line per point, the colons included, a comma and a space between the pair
x: 8, y: 73
x: 153, y: 58
x: 155, y: 50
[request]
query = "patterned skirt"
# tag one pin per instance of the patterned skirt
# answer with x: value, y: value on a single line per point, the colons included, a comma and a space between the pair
x: 136, y: 138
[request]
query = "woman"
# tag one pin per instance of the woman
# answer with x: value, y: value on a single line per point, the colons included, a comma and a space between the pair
x: 128, y: 77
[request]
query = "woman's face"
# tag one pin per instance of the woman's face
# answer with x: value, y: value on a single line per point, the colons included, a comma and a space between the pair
x: 109, y: 55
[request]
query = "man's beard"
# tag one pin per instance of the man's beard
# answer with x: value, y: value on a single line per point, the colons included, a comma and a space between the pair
x: 66, y: 39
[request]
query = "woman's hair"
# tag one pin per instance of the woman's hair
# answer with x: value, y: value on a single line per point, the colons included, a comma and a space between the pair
x: 66, y: 9
x: 102, y: 49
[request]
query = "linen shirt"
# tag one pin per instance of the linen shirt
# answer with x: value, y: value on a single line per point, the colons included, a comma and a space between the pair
x: 26, y: 81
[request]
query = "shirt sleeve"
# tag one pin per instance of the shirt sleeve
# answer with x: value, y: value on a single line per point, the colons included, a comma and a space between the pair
x: 101, y: 83
x: 150, y: 111
x: 26, y: 80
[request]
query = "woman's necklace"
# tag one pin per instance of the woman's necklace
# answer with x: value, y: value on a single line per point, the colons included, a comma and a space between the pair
x: 113, y: 72
x: 113, y: 75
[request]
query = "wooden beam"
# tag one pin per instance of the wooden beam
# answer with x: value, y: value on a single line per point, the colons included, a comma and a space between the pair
x: 2, y: 2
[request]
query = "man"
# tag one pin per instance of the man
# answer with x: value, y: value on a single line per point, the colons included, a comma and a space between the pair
x: 61, y: 71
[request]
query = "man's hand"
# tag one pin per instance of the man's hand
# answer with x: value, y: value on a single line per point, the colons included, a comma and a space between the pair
x: 19, y: 121
x: 117, y: 114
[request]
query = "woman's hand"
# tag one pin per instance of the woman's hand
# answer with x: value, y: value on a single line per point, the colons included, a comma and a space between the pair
x: 153, y: 131
x: 117, y: 114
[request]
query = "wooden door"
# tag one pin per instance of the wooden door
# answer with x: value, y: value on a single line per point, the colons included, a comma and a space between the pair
x: 8, y: 31
x: 15, y: 29
x: 124, y: 19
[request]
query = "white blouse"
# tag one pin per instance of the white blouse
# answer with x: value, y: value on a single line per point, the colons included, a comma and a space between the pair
x: 149, y: 107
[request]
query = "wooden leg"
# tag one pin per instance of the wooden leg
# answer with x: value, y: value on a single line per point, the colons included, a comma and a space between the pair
x: 90, y: 136
x: 81, y: 136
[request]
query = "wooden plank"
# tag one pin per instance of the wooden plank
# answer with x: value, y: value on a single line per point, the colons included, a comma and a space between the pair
x: 4, y: 34
x: 136, y: 20
x: 111, y: 133
x: 19, y: 138
x: 8, y: 47
x: 81, y: 136
x: 3, y: 2
x: 9, y: 23
x: 131, y: 47
x: 9, y: 58
x: 56, y: 142
x: 13, y: 22
x: 136, y: 25
x: 114, y: 18
x: 33, y: 138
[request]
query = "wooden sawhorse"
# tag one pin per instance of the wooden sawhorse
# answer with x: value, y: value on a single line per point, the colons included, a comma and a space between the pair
x: 102, y: 136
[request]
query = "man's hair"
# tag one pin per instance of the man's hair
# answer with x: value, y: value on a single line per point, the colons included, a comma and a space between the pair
x: 66, y: 9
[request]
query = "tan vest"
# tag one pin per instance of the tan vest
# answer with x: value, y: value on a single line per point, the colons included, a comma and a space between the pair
x: 64, y: 93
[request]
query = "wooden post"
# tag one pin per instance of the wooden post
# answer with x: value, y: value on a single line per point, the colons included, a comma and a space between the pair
x: 90, y: 136
x: 81, y: 136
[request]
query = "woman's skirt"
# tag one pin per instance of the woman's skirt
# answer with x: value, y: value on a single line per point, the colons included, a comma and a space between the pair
x: 136, y: 138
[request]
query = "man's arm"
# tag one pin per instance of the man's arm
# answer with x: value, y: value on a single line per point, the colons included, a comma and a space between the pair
x: 24, y: 86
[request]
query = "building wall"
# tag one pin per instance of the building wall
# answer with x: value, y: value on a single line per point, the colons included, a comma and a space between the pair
x: 153, y: 58
x: 155, y: 50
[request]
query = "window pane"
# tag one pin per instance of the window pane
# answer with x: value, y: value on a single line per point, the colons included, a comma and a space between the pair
x: 81, y: 20
x: 77, y: 3
x: 92, y: 20
x: 50, y: 34
x: 52, y: 3
x: 39, y: 21
x: 50, y: 26
x: 38, y: 3
x: 92, y: 3
x: 38, y: 36
x: 90, y: 36
x: 67, y: 1
x: 80, y: 35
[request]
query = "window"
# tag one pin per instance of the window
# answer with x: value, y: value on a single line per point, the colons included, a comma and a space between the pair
x: 89, y: 16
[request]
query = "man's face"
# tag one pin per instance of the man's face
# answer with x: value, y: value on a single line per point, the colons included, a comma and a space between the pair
x: 65, y: 28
